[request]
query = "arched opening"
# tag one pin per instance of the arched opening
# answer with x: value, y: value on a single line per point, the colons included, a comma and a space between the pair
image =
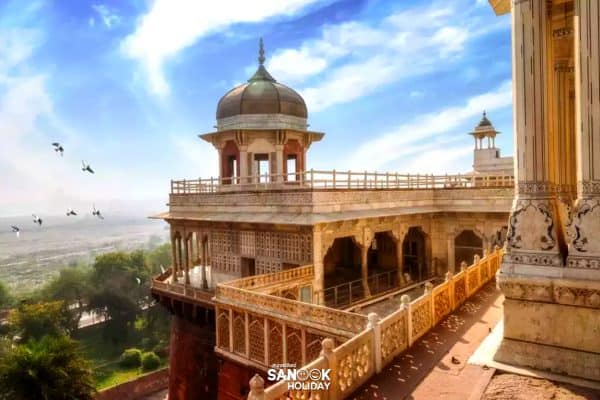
x: 466, y: 245
x: 342, y: 262
x: 230, y: 160
x: 382, y: 261
x: 414, y: 252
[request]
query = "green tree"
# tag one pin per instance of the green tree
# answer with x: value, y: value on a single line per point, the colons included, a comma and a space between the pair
x: 33, y: 321
x: 72, y: 286
x: 159, y: 256
x: 51, y: 368
x: 120, y: 282
x: 6, y: 298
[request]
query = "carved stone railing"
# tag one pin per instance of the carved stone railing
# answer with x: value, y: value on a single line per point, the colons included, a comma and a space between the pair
x: 315, y: 179
x: 258, y: 324
x: 161, y: 285
x: 276, y: 278
x: 355, y: 361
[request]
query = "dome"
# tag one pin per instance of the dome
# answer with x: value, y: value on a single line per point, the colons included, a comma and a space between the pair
x: 484, y: 121
x: 262, y: 94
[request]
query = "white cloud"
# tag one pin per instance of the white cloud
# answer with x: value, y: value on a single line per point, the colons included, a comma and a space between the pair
x: 416, y: 135
x: 200, y: 159
x: 416, y: 93
x: 447, y: 160
x: 171, y: 26
x: 354, y: 59
x: 109, y: 17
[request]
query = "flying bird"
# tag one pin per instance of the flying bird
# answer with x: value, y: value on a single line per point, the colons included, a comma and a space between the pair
x: 16, y: 230
x: 58, y: 148
x: 37, y: 220
x: 70, y: 212
x: 86, y: 167
x: 96, y: 213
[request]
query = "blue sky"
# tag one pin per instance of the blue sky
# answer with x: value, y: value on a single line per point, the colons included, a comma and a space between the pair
x: 127, y: 86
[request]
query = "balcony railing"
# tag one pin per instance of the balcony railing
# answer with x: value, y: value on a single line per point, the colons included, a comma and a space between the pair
x: 348, y: 293
x: 355, y: 361
x: 343, y: 180
x: 162, y: 284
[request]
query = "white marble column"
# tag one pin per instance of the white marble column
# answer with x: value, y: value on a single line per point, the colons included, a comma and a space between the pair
x: 584, y: 248
x: 532, y: 237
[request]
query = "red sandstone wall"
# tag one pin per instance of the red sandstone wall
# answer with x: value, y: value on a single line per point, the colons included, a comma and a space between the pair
x: 137, y: 388
x: 192, y: 361
x: 233, y: 381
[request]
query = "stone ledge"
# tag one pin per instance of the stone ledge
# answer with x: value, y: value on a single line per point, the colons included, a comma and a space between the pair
x: 570, y: 292
x: 549, y: 358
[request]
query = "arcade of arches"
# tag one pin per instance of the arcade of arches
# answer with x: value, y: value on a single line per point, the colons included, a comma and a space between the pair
x: 370, y: 252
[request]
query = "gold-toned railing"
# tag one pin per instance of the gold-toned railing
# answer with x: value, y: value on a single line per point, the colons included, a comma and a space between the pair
x: 259, y: 281
x: 261, y: 320
x: 355, y: 361
x: 317, y: 179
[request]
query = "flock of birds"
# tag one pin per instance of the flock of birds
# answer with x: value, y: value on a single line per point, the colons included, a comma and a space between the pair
x: 70, y: 212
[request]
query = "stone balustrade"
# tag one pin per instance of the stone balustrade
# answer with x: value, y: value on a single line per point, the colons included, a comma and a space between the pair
x: 353, y: 362
x: 332, y: 180
x: 276, y: 278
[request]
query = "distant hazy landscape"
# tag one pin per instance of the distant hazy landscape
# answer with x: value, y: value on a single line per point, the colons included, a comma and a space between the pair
x: 39, y: 253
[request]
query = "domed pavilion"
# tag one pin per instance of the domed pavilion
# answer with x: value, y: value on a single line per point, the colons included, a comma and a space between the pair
x: 261, y: 130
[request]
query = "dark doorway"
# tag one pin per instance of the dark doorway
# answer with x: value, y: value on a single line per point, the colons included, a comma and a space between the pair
x: 414, y: 254
x: 248, y: 267
x: 466, y: 245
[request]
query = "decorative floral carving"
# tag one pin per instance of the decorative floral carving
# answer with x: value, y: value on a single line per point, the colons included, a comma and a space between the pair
x: 354, y: 366
x: 421, y: 318
x: 393, y: 337
x: 531, y: 226
x: 528, y: 291
x: 584, y: 228
x: 441, y: 303
x: 577, y: 296
x: 460, y: 291
x: 583, y: 262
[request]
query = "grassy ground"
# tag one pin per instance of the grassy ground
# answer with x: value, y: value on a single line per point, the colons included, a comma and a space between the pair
x: 104, y: 356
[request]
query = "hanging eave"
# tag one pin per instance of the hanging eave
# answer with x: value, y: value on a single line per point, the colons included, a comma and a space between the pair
x: 500, y: 7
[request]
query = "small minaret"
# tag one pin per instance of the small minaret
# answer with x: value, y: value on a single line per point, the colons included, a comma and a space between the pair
x: 484, y: 129
x: 486, y: 157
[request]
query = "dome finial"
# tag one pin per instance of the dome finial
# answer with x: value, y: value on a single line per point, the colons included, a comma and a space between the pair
x: 261, y: 52
x: 484, y: 113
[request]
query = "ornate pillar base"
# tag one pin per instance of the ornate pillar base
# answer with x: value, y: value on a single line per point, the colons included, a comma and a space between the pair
x: 551, y: 324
